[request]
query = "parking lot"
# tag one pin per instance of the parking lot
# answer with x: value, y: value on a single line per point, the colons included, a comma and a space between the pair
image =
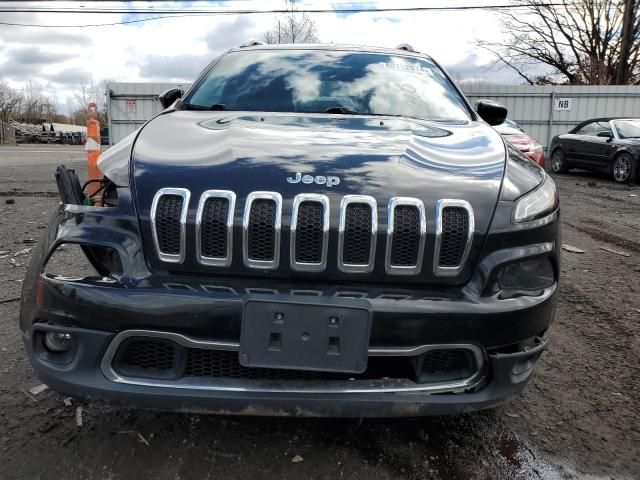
x: 578, y: 417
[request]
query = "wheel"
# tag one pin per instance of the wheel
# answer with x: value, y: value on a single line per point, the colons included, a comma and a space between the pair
x: 623, y: 169
x: 558, y: 163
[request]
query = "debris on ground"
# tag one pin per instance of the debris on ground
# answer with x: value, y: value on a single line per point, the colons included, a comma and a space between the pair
x: 512, y: 415
x: 4, y: 252
x: 67, y: 401
x: 33, y: 399
x: 24, y: 251
x: 617, y: 252
x: 297, y: 459
x: 10, y: 201
x: 592, y: 184
x: 142, y: 439
x: 572, y: 249
x: 79, y: 416
x: 38, y: 389
x: 633, y: 195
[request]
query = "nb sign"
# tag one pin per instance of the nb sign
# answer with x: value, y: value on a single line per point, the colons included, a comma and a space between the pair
x: 562, y: 105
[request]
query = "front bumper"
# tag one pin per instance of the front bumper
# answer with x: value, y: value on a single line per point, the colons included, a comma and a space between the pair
x: 403, y: 317
x: 96, y: 314
x: 506, y: 375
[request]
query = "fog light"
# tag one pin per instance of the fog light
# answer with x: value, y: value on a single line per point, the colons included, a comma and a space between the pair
x: 57, y: 342
x: 536, y: 274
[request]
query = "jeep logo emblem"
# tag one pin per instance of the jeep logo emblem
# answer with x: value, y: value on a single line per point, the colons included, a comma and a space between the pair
x: 318, y: 179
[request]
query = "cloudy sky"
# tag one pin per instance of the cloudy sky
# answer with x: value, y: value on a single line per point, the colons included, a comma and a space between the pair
x: 176, y: 49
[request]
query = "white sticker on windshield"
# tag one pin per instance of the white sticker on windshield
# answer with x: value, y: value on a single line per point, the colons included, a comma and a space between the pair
x: 408, y: 67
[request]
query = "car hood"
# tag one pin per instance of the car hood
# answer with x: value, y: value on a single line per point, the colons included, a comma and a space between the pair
x: 382, y: 157
x: 371, y: 156
x: 633, y: 142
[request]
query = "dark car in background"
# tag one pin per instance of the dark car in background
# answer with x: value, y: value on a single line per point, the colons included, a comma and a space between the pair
x: 609, y: 145
x: 309, y: 230
x: 516, y: 136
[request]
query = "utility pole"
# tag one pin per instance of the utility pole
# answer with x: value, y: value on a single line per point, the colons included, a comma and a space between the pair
x: 626, y: 42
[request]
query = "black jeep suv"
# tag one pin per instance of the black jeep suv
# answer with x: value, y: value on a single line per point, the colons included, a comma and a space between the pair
x: 308, y: 230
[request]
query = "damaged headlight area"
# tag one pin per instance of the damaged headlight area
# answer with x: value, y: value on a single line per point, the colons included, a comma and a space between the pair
x: 94, y: 193
x: 77, y: 262
x: 537, y: 203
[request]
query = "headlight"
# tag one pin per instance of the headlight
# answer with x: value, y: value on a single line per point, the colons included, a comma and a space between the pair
x: 537, y: 203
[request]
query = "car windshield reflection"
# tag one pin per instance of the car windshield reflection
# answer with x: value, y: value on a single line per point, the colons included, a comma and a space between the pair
x: 628, y: 128
x: 332, y: 82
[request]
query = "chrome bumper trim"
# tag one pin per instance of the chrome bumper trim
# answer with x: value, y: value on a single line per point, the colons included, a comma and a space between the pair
x: 298, y: 386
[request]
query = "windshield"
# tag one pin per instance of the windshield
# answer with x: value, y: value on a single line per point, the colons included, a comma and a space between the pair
x: 510, y: 123
x: 324, y: 80
x: 628, y: 128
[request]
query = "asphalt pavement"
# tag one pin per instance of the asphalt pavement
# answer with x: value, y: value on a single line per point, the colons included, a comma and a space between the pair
x: 578, y: 418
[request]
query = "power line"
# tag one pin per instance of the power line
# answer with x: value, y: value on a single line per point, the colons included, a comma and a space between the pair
x: 124, y: 22
x: 168, y: 11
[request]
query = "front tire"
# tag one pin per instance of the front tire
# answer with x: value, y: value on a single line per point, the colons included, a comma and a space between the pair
x: 623, y: 169
x: 558, y: 162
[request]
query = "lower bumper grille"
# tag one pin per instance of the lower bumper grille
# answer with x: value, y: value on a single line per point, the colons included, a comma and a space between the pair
x: 163, y: 359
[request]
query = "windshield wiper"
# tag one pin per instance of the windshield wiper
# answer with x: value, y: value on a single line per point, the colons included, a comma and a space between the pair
x: 214, y: 107
x: 342, y: 110
x: 348, y: 111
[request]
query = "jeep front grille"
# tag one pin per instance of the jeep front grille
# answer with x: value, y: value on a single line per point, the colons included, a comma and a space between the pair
x: 454, y: 233
x: 214, y: 227
x: 261, y: 227
x: 169, y: 216
x: 406, y: 232
x: 358, y: 230
x: 309, y: 232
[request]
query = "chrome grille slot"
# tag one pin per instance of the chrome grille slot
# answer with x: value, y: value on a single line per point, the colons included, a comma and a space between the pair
x: 454, y: 236
x: 309, y: 232
x: 261, y: 228
x: 168, y: 223
x: 454, y: 233
x: 310, y: 226
x: 357, y: 234
x: 214, y: 227
x: 406, y: 233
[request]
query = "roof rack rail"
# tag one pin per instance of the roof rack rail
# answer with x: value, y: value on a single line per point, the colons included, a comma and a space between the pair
x: 406, y: 47
x: 251, y: 43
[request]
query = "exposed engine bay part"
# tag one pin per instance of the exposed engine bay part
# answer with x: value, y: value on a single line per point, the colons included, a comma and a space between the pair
x: 69, y: 186
x: 73, y: 193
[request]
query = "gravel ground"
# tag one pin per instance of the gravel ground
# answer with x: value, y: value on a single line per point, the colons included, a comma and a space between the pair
x: 578, y: 418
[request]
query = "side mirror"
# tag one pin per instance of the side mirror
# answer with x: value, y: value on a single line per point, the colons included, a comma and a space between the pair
x: 491, y: 112
x: 605, y: 134
x: 168, y: 97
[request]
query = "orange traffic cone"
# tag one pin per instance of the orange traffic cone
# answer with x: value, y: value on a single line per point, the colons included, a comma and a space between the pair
x: 92, y: 146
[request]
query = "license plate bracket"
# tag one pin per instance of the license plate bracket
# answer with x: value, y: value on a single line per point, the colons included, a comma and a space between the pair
x: 328, y: 337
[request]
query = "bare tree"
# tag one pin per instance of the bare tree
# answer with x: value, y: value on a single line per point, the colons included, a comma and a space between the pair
x: 292, y: 27
x: 85, y: 93
x: 36, y: 106
x: 579, y: 40
x: 10, y: 101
